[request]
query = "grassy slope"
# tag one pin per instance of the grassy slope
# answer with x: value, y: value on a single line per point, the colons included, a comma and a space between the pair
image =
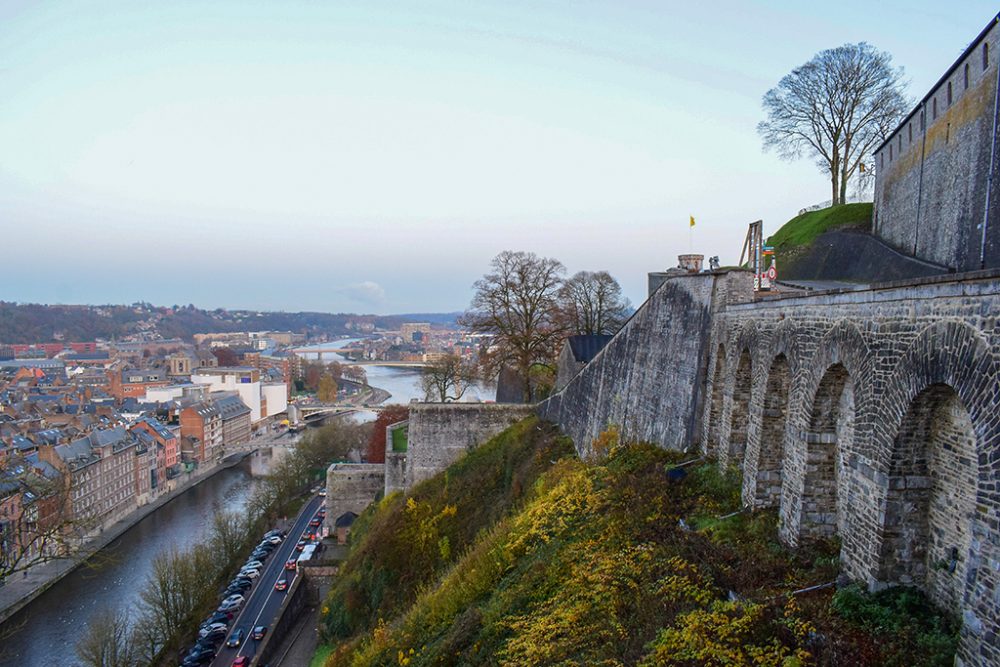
x: 803, y: 229
x: 596, y: 567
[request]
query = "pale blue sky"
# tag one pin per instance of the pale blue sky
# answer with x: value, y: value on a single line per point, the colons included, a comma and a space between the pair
x: 373, y: 156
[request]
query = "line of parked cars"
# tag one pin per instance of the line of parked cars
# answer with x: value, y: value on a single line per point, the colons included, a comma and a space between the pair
x: 214, y: 629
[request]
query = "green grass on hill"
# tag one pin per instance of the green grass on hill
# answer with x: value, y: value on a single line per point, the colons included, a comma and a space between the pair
x: 803, y: 229
x: 522, y: 554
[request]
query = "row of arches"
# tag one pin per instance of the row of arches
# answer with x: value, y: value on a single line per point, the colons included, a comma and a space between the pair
x: 894, y: 461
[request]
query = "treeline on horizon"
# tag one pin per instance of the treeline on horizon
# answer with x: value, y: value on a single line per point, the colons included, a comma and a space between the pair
x: 42, y: 323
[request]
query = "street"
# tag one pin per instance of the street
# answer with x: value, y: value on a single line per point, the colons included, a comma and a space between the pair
x: 262, y: 606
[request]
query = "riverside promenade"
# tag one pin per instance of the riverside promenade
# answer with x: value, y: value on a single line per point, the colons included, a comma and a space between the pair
x: 23, y: 587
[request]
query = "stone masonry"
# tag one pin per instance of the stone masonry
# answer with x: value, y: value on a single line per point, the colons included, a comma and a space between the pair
x: 351, y: 487
x: 872, y: 415
x: 439, y: 433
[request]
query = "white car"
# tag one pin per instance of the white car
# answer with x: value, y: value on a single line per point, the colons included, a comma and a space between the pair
x: 214, y: 627
x: 232, y: 603
x: 273, y: 540
x: 250, y: 573
x: 253, y: 565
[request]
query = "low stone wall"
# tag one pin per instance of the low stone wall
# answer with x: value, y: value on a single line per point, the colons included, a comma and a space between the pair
x: 351, y: 487
x: 439, y: 433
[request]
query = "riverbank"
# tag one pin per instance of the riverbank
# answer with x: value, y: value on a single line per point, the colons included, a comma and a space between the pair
x: 21, y: 589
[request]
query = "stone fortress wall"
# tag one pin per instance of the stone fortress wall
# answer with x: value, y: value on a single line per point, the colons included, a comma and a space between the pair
x: 870, y: 415
x: 933, y: 174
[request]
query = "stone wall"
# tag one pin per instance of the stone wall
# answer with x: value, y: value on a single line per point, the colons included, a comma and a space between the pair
x: 873, y: 416
x: 648, y: 379
x: 351, y: 487
x: 441, y: 432
x: 869, y: 415
x: 932, y: 173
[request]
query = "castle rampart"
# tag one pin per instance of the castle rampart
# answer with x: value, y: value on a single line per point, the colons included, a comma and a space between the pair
x: 870, y: 415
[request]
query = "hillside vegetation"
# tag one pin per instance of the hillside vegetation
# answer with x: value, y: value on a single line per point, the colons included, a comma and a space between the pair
x: 803, y: 229
x: 522, y: 554
x: 38, y: 323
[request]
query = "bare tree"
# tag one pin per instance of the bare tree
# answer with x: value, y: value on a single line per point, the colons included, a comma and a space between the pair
x: 836, y: 108
x: 516, y: 303
x: 447, y: 378
x: 36, y: 522
x: 108, y: 641
x: 591, y: 302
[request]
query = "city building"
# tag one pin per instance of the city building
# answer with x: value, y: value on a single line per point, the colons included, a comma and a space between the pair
x: 135, y: 382
x: 99, y: 472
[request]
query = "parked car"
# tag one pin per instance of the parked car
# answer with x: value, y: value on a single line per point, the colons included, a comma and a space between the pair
x: 217, y: 617
x: 232, y: 603
x: 259, y: 632
x: 274, y: 539
x: 281, y: 584
x: 255, y: 564
x: 250, y: 574
x: 200, y: 656
x: 214, y: 627
x: 236, y: 638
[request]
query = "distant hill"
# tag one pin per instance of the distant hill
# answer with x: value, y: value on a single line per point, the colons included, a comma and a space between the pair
x: 432, y: 318
x: 38, y: 323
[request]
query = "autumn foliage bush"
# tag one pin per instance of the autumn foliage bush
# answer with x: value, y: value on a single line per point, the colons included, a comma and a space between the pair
x: 550, y: 560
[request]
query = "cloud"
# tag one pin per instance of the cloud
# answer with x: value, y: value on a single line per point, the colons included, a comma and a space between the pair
x: 366, y: 292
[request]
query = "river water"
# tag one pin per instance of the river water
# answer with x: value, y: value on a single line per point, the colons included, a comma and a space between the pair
x: 52, y: 624
x: 403, y: 383
x: 54, y: 621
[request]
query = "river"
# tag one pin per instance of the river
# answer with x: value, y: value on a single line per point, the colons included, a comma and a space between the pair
x: 403, y: 383
x: 55, y: 620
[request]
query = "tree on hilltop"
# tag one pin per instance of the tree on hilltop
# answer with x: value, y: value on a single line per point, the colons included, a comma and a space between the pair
x: 836, y: 108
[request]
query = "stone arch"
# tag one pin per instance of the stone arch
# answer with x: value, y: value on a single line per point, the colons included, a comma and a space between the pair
x: 739, y: 414
x: 716, y: 401
x: 931, y: 497
x: 806, y: 510
x: 941, y: 398
x: 829, y: 431
x: 736, y: 401
x: 771, y: 451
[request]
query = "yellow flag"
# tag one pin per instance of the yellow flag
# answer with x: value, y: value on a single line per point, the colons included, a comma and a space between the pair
x: 692, y: 221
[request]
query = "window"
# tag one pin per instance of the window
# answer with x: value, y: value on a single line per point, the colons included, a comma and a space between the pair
x: 890, y: 152
x: 986, y: 56
x: 901, y: 144
x: 934, y: 109
x: 966, y: 76
x: 909, y: 133
x: 949, y: 93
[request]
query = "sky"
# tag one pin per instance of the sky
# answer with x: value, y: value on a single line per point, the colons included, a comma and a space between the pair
x: 374, y: 156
